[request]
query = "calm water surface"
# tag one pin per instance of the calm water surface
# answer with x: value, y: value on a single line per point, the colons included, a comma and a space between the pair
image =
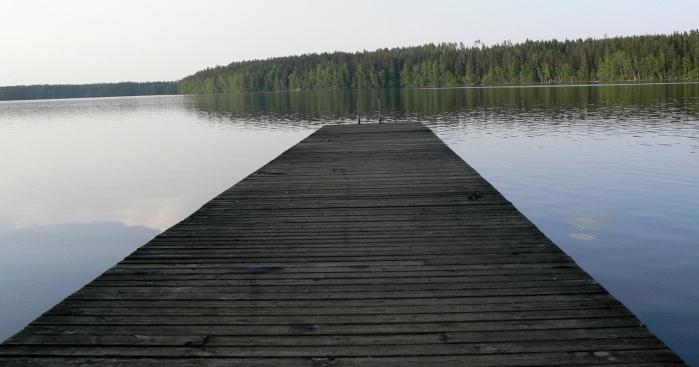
x: 609, y: 173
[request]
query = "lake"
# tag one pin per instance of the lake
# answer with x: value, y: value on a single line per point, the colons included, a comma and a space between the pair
x: 609, y: 173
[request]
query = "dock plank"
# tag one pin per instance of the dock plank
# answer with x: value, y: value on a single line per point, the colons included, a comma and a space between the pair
x: 362, y: 245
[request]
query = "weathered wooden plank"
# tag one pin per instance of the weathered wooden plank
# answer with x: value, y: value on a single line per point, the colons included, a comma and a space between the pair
x: 652, y: 358
x: 322, y: 268
x: 302, y: 328
x: 141, y: 281
x: 356, y: 303
x: 204, y: 319
x: 322, y: 340
x: 387, y: 350
x: 174, y: 310
x: 363, y: 245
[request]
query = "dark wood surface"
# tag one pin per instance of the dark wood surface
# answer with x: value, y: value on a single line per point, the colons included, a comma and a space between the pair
x: 363, y: 245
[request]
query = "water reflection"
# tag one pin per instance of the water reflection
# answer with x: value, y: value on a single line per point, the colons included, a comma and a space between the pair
x: 610, y: 173
x: 440, y: 104
x: 586, y: 228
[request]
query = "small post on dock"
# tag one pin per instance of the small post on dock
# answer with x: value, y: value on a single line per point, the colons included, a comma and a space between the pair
x: 380, y: 120
x: 359, y: 114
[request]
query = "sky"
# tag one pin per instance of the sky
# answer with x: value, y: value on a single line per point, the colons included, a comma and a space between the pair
x: 77, y: 41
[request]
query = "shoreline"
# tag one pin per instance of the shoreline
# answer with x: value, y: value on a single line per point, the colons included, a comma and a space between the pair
x: 509, y: 86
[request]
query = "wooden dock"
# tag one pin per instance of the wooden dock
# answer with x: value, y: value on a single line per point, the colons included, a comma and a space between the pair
x: 363, y: 245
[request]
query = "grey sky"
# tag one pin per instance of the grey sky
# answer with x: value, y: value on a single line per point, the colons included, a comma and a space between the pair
x: 76, y: 41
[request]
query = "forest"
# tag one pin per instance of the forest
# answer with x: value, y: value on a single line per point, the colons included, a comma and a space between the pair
x: 650, y: 58
x: 86, y: 90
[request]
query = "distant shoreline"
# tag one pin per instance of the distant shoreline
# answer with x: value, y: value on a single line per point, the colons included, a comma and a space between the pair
x: 522, y: 86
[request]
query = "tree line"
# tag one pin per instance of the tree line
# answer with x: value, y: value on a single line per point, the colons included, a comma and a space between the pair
x: 86, y: 90
x: 648, y: 58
